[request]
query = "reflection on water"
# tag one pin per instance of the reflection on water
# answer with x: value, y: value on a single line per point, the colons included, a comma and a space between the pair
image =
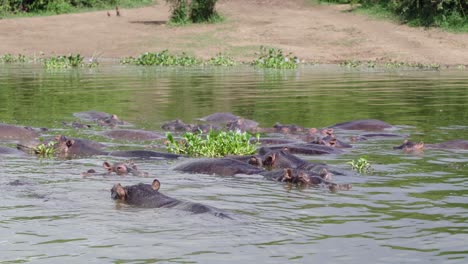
x: 413, y: 208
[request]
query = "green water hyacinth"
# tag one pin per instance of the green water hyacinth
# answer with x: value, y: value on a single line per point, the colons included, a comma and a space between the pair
x: 274, y: 58
x: 212, y: 144
x: 360, y: 165
x: 163, y: 58
x: 45, y: 150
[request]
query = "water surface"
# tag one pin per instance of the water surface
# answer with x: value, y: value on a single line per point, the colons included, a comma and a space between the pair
x: 411, y: 209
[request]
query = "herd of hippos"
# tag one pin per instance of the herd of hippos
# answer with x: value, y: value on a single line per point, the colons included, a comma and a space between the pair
x: 275, y: 159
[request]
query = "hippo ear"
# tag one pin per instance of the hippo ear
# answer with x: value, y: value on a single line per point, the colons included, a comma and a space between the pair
x: 70, y: 143
x: 121, y: 192
x: 288, y: 175
x: 156, y: 185
x: 255, y: 161
x: 420, y: 146
x: 107, y: 166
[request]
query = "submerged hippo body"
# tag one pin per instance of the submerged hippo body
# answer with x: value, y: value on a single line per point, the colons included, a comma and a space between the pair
x: 221, y: 167
x: 363, y: 124
x: 375, y: 135
x: 101, y: 118
x: 220, y: 118
x: 409, y: 146
x: 303, y: 148
x: 281, y: 159
x: 305, y: 178
x: 148, y: 196
x: 133, y: 135
x: 76, y: 148
x: 11, y: 132
x: 6, y: 151
x: 243, y: 125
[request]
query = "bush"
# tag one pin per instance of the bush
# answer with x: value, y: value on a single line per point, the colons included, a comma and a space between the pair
x: 441, y: 13
x: 193, y: 11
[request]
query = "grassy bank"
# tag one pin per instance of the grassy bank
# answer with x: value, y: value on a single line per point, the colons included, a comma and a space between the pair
x: 450, y: 15
x: 26, y: 8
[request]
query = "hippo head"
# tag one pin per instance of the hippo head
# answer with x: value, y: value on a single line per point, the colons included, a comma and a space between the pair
x: 118, y: 192
x: 296, y: 176
x: 409, y: 146
x: 111, y: 121
x: 63, y: 144
x: 121, y: 168
x: 325, y: 174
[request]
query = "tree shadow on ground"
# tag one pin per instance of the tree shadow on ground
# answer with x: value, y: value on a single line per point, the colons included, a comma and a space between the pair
x: 149, y: 22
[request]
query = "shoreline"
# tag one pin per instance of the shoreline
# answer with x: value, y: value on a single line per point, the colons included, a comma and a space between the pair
x: 322, y: 34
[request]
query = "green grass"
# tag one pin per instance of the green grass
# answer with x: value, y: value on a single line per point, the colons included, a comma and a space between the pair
x: 68, y: 10
x: 212, y: 144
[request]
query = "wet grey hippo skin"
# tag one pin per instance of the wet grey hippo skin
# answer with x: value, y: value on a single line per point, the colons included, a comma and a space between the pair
x: 11, y: 132
x: 330, y: 141
x: 7, y: 151
x: 220, y: 166
x: 281, y: 159
x: 409, y: 146
x: 305, y: 178
x: 119, y: 168
x: 148, y: 196
x: 364, y: 124
x: 179, y: 126
x: 302, y: 148
x: 73, y: 148
x: 375, y: 135
x: 222, y: 117
x: 101, y: 118
x: 133, y: 134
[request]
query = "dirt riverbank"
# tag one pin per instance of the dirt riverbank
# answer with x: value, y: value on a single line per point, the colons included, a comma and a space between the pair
x: 315, y: 33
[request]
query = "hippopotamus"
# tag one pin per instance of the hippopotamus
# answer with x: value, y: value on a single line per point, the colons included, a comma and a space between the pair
x: 102, y: 118
x: 305, y: 178
x: 76, y: 124
x: 330, y: 141
x: 179, y: 126
x: 133, y: 134
x: 218, y: 166
x: 11, y: 132
x: 375, y: 135
x: 10, y: 151
x: 119, y: 168
x: 282, y: 159
x: 363, y: 124
x: 220, y: 118
x: 288, y: 129
x: 75, y: 148
x: 273, y: 141
x: 148, y: 196
x: 243, y: 125
x: 303, y: 148
x: 409, y: 146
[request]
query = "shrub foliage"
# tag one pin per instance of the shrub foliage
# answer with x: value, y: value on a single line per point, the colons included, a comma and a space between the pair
x: 193, y: 11
x: 442, y: 13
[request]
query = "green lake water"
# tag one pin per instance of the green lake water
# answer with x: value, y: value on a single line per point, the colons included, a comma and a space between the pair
x: 413, y: 208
